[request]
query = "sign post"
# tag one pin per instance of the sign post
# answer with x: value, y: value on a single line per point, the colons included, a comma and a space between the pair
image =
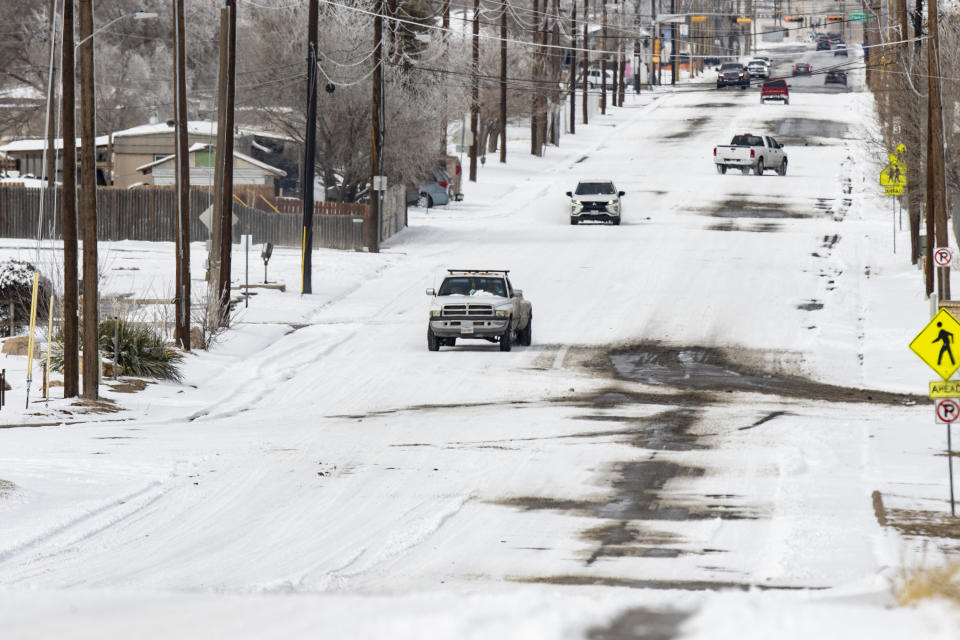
x: 934, y: 345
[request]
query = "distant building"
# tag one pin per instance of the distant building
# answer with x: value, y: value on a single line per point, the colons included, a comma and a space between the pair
x: 142, y: 146
x: 246, y: 170
x: 26, y: 157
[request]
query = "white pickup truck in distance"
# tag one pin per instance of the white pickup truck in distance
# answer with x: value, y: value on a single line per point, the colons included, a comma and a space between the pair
x: 479, y: 305
x: 747, y: 151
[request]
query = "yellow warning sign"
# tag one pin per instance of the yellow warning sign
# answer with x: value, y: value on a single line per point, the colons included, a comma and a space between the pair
x: 945, y: 389
x: 935, y: 344
x: 893, y: 175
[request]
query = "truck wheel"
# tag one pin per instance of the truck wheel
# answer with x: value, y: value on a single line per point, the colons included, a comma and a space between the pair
x: 759, y: 168
x: 424, y: 201
x: 433, y: 342
x: 783, y: 168
x: 573, y: 220
x: 525, y: 337
x: 505, y: 343
x: 615, y: 221
x: 722, y: 169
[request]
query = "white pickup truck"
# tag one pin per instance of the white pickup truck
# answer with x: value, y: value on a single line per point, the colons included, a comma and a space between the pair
x: 747, y: 151
x: 479, y: 305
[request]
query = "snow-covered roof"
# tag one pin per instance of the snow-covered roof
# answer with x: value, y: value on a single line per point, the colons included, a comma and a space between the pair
x: 37, y: 144
x: 201, y: 146
x: 194, y: 127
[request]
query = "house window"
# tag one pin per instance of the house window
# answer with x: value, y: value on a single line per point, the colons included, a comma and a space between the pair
x: 205, y: 158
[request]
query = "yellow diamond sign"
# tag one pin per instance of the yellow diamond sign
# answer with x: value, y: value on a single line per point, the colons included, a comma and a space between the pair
x: 935, y: 344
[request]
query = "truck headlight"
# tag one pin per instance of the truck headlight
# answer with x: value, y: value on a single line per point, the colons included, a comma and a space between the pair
x: 434, y: 313
x: 503, y: 313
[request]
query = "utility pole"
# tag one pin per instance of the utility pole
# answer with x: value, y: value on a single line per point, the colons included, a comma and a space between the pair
x: 226, y: 223
x: 573, y: 69
x: 71, y: 329
x: 586, y: 62
x: 445, y: 9
x: 88, y: 205
x: 181, y: 332
x: 603, y: 60
x: 503, y: 82
x: 309, y: 150
x: 534, y: 124
x: 621, y: 58
x: 376, y: 128
x: 50, y: 168
x: 475, y: 91
x: 936, y: 205
x: 216, y: 220
x: 673, y: 44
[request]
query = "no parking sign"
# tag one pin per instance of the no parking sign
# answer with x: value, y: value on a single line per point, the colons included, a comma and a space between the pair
x: 947, y: 410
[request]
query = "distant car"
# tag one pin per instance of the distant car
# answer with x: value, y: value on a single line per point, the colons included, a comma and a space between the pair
x: 437, y: 192
x: 840, y: 50
x: 758, y: 69
x: 595, y: 200
x: 766, y: 59
x: 823, y: 45
x: 733, y: 73
x: 775, y: 90
x: 802, y: 69
x: 836, y: 77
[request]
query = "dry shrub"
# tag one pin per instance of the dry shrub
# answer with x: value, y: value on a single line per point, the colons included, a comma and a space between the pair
x: 923, y: 583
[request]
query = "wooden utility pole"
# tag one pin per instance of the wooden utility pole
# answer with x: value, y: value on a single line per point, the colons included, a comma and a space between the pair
x: 503, y: 83
x: 603, y: 59
x: 673, y: 44
x: 534, y: 113
x: 88, y: 205
x: 226, y: 222
x: 376, y: 128
x: 445, y: 8
x: 181, y: 332
x: 936, y: 193
x: 586, y: 63
x: 475, y: 92
x: 573, y: 69
x: 71, y: 328
x: 214, y: 311
x: 309, y: 150
x: 50, y: 168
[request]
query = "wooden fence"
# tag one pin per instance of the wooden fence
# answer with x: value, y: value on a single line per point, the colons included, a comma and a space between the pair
x: 148, y: 214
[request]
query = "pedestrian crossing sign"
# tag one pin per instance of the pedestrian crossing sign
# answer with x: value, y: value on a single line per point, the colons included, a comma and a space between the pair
x: 935, y: 344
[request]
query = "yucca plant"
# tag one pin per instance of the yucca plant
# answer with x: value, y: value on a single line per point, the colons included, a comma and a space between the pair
x: 142, y: 351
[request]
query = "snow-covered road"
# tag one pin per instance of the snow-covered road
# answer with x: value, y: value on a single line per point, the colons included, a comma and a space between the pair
x: 686, y: 426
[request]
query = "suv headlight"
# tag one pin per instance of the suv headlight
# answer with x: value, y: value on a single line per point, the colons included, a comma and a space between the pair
x: 503, y: 313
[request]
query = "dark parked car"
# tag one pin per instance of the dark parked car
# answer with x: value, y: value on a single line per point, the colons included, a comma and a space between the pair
x: 823, y: 45
x: 802, y: 69
x: 733, y: 73
x: 836, y: 77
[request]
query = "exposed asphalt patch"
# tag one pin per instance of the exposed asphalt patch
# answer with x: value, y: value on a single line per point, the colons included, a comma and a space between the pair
x: 683, y: 585
x: 710, y: 369
x: 756, y: 227
x: 714, y: 105
x: 802, y: 131
x: 689, y: 126
x: 765, y: 419
x: 812, y: 305
x: 754, y: 209
x: 641, y: 623
x: 6, y: 488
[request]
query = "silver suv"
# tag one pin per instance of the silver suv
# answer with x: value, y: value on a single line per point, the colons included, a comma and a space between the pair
x: 595, y: 200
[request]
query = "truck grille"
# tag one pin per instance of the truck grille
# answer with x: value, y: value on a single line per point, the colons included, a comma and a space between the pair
x: 458, y: 310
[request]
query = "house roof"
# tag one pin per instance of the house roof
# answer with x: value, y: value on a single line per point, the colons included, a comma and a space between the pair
x: 200, y: 146
x: 194, y: 127
x: 37, y: 144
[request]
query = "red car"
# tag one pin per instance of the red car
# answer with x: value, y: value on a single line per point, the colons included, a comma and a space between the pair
x: 775, y: 90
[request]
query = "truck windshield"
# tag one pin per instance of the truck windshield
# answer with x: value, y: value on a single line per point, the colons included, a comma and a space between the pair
x: 730, y: 66
x: 747, y: 141
x: 595, y: 188
x: 473, y: 286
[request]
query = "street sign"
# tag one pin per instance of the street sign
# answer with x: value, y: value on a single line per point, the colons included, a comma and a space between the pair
x: 942, y: 256
x: 858, y: 17
x: 893, y: 191
x: 207, y: 217
x: 744, y: 20
x: 684, y: 30
x: 893, y: 175
x: 698, y: 18
x: 934, y: 344
x: 947, y: 410
x: 945, y: 389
